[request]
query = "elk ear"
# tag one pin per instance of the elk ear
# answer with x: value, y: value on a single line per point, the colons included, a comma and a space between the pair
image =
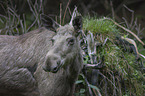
x: 49, y: 23
x: 77, y: 24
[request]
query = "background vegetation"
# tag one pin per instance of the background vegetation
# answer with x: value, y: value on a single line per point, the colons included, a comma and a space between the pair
x: 112, y: 67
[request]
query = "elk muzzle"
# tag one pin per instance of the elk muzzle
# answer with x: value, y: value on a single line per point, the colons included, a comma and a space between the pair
x: 52, y: 63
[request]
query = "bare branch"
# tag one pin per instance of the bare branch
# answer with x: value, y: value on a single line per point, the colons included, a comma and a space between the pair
x: 31, y: 25
x: 60, y: 13
x: 111, y: 4
x: 66, y: 10
x: 92, y: 65
x: 126, y: 30
x: 90, y: 91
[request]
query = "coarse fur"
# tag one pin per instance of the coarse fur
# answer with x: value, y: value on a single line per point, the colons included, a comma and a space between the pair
x: 62, y: 82
x: 19, y: 59
x: 22, y: 58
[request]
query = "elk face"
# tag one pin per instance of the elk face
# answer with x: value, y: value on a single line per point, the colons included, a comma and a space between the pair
x: 65, y: 46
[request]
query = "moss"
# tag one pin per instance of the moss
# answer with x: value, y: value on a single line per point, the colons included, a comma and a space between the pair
x: 122, y: 74
x: 100, y: 26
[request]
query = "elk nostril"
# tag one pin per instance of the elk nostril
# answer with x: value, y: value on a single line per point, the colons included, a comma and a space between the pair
x: 55, y: 69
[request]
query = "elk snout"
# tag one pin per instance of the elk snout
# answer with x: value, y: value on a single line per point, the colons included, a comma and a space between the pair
x: 52, y: 63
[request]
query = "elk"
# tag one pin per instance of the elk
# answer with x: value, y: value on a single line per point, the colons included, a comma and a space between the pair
x: 43, y: 62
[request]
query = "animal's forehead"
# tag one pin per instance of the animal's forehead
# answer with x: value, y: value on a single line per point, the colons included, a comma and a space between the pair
x: 64, y: 30
x: 61, y: 37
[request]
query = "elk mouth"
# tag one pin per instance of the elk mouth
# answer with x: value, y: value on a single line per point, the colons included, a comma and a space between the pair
x: 54, y: 69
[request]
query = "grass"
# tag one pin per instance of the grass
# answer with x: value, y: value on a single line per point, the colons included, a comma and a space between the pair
x: 100, y: 26
x: 122, y: 74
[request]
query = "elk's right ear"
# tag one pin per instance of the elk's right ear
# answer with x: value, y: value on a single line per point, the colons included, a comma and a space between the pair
x: 77, y: 24
x: 49, y: 23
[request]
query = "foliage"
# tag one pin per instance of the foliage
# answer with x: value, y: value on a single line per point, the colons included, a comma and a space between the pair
x: 121, y: 73
x: 13, y: 23
x: 96, y: 25
x: 118, y: 72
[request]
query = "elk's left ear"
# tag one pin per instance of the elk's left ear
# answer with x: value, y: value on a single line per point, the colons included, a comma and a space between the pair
x: 49, y: 23
x: 77, y: 24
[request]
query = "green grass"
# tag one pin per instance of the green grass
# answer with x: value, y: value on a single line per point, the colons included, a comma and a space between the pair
x: 100, y: 26
x: 122, y: 74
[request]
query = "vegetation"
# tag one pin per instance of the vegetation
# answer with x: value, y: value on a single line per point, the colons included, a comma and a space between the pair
x: 120, y: 74
x: 111, y: 68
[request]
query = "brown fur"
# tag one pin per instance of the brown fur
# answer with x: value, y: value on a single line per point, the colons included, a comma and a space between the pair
x: 20, y: 54
x: 22, y: 58
x: 62, y: 82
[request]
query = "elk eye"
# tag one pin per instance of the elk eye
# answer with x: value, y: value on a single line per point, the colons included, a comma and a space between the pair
x: 71, y: 41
